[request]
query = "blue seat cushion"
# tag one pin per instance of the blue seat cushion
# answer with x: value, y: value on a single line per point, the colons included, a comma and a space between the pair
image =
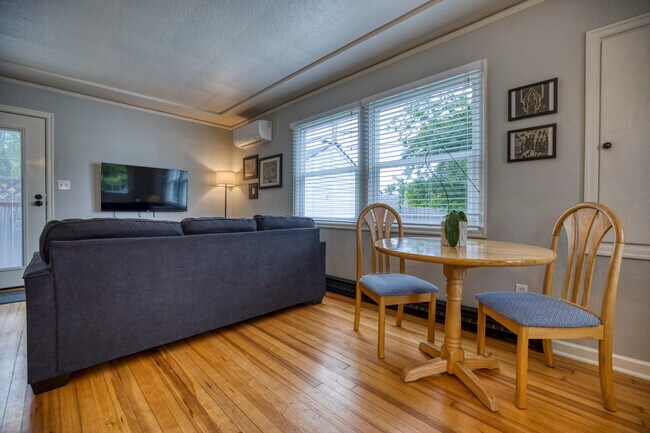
x: 533, y: 309
x: 396, y: 284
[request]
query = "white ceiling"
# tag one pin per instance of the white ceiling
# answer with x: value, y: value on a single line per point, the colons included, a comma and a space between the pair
x: 217, y: 61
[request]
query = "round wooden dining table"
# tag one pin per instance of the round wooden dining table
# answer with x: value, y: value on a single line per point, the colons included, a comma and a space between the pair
x: 450, y: 357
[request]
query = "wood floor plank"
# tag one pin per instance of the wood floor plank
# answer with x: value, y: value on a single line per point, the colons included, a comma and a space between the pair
x: 69, y: 412
x: 205, y: 379
x: 294, y: 404
x: 242, y: 385
x: 208, y: 415
x: 13, y: 411
x: 277, y: 357
x: 129, y: 394
x: 305, y: 369
x: 12, y: 332
x: 89, y: 415
x: 170, y: 415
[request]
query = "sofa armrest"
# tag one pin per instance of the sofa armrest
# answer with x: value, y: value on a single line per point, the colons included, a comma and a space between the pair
x: 36, y: 268
x: 40, y: 293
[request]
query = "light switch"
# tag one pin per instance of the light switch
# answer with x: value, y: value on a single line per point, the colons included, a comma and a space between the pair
x: 64, y: 184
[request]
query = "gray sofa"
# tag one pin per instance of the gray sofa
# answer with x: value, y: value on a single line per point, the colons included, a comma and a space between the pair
x: 105, y: 288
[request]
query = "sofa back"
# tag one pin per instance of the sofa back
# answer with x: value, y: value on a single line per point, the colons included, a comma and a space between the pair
x: 103, y: 228
x: 205, y: 225
x: 115, y: 297
x: 274, y: 222
x: 107, y: 228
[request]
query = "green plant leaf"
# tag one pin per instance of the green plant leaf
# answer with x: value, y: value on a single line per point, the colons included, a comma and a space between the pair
x: 452, y: 228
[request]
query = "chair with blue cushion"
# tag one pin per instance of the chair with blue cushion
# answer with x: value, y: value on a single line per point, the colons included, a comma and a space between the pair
x: 536, y: 316
x: 382, y: 286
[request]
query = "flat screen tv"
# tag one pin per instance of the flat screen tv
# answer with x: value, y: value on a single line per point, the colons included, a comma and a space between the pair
x: 143, y: 189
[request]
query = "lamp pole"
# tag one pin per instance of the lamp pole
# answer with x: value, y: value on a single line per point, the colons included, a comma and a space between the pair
x: 225, y: 201
x: 226, y: 178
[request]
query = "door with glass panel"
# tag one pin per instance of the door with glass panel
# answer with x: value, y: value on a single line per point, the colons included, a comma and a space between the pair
x: 22, y: 193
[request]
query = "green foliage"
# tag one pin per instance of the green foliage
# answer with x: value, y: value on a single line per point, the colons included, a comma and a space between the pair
x: 433, y: 128
x: 10, y: 153
x: 452, y: 228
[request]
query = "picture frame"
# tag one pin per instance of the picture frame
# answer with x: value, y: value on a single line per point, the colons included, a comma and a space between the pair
x: 249, y: 170
x: 537, y: 142
x: 270, y: 172
x: 537, y: 99
x: 253, y: 190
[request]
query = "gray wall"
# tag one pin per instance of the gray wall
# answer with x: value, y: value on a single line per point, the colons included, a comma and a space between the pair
x: 524, y: 199
x: 88, y: 132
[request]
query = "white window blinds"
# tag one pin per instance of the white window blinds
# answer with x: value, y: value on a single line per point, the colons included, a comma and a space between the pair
x: 418, y: 148
x: 425, y: 150
x: 326, y: 167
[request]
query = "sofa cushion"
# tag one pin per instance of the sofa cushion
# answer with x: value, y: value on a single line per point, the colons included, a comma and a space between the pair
x: 270, y: 222
x: 102, y: 228
x: 197, y: 226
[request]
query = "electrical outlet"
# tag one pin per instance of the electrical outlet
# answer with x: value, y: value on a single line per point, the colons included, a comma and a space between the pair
x: 64, y: 184
x: 522, y: 288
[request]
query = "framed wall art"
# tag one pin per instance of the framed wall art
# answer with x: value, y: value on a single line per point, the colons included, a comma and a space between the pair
x: 532, y: 100
x: 250, y: 168
x: 537, y: 142
x: 253, y: 191
x: 270, y: 172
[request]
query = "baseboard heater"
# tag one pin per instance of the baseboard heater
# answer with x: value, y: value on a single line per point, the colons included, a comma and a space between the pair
x: 469, y: 315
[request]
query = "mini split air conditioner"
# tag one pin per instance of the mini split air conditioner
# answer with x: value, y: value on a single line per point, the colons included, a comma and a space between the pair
x: 260, y: 131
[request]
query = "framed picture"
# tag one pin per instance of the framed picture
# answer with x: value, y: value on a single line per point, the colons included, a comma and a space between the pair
x: 533, y: 100
x: 532, y: 143
x: 253, y: 190
x: 250, y: 168
x: 271, y: 172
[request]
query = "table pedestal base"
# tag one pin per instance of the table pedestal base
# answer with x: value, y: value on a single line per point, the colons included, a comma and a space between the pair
x: 461, y: 367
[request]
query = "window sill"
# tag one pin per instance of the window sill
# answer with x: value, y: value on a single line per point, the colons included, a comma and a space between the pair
x: 408, y: 230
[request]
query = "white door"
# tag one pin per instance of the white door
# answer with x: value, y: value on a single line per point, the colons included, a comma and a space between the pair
x: 618, y: 126
x: 22, y: 193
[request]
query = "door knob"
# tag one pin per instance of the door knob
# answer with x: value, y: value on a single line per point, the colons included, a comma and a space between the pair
x: 38, y: 203
x: 607, y: 145
x: 38, y: 197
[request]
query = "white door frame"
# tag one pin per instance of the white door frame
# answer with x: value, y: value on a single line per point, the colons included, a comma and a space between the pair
x: 594, y: 39
x: 49, y: 152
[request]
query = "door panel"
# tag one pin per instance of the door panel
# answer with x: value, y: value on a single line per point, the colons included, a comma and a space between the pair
x: 624, y: 177
x: 22, y: 177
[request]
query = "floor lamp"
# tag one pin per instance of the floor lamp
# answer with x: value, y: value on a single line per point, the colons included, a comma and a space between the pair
x: 226, y: 179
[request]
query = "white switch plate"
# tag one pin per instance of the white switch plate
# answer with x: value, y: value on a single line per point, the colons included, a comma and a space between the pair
x: 64, y: 184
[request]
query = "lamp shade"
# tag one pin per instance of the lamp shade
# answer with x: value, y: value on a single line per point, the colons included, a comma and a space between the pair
x: 226, y: 178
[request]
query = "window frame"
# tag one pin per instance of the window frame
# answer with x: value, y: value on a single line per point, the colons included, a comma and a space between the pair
x: 363, y: 178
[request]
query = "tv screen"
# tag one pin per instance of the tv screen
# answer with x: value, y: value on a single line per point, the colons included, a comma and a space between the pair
x: 133, y: 188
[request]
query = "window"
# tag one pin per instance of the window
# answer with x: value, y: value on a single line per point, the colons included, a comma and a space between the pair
x: 421, y: 152
x: 326, y: 167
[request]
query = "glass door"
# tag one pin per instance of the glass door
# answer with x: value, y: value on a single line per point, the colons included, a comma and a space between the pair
x: 22, y: 193
x: 11, y: 208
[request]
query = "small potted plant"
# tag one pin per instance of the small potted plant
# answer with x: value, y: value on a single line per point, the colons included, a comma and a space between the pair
x: 453, y: 230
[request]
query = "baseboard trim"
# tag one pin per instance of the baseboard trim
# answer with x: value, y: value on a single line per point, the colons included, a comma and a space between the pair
x: 622, y: 364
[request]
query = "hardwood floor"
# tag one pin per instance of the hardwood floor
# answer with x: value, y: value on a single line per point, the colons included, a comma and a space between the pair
x: 305, y: 370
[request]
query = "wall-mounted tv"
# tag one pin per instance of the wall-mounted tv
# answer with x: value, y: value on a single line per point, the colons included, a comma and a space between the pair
x: 143, y: 189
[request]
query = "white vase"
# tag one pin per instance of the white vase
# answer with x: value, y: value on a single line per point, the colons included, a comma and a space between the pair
x: 462, y: 238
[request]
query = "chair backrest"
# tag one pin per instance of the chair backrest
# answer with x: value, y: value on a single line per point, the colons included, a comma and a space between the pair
x: 586, y: 224
x: 379, y: 219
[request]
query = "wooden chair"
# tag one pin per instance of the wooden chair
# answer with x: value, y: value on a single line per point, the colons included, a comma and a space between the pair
x: 382, y: 286
x: 531, y: 315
